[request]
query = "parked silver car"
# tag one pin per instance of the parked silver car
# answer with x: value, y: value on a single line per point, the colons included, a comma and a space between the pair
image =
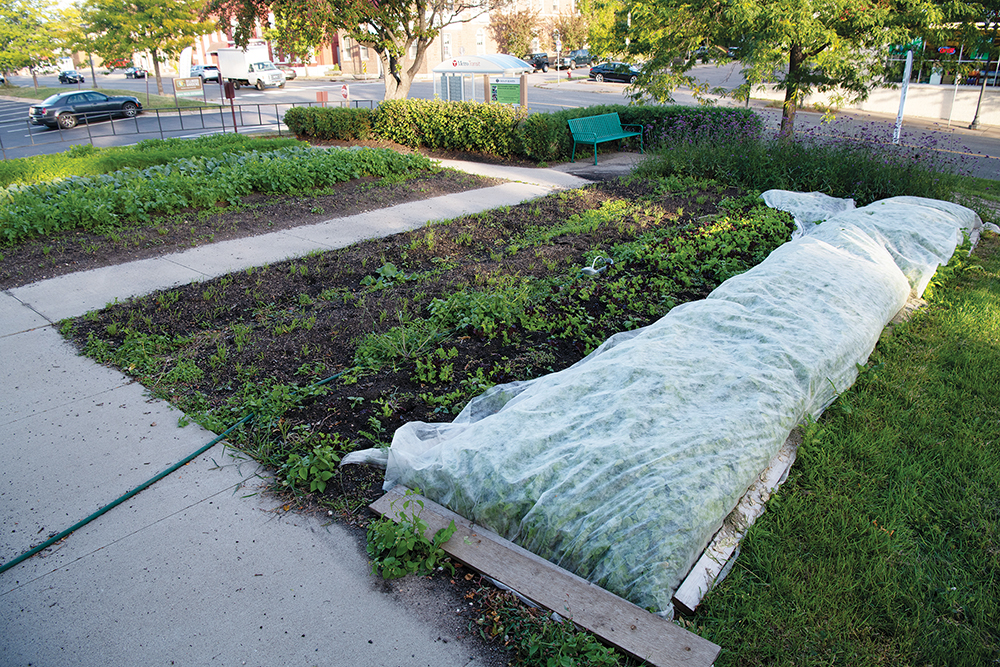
x: 205, y: 73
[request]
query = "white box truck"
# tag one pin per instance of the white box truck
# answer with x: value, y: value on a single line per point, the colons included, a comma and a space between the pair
x: 249, y: 67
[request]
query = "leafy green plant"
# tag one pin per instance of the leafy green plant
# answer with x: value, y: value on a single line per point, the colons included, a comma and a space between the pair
x: 131, y: 196
x: 314, y: 468
x: 399, y: 547
x: 89, y: 160
x: 387, y: 275
x: 433, y: 369
x: 538, y: 639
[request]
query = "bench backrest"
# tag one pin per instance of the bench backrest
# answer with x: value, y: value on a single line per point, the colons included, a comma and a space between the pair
x: 607, y: 123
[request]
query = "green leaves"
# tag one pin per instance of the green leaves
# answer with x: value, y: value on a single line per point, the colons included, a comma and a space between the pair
x: 315, y: 468
x: 399, y: 549
x: 133, y: 196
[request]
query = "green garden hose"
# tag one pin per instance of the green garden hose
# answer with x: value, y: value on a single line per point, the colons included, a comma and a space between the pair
x: 52, y: 540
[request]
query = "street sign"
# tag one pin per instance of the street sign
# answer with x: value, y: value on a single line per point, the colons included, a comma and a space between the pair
x: 505, y: 90
x: 345, y: 92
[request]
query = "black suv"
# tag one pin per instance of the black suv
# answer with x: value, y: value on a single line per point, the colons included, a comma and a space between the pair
x: 538, y: 61
x: 581, y: 58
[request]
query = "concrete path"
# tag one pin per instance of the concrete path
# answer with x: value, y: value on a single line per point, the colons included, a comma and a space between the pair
x: 201, y: 568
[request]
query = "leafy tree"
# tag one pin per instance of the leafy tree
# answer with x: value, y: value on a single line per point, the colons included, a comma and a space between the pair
x: 513, y: 29
x: 389, y: 27
x: 162, y: 27
x: 572, y: 30
x: 601, y: 32
x: 26, y: 35
x: 72, y: 37
x: 981, y: 31
x: 801, y: 45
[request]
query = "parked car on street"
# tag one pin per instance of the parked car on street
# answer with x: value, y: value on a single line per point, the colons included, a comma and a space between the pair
x: 70, y: 76
x: 135, y: 73
x: 614, y: 71
x: 540, y: 61
x: 581, y: 58
x: 66, y: 110
x: 205, y: 73
x: 288, y: 70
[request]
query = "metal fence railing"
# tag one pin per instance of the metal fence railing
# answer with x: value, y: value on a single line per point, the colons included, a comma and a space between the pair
x: 165, y: 123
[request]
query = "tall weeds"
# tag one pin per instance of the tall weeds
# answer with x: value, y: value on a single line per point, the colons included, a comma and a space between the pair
x: 857, y: 165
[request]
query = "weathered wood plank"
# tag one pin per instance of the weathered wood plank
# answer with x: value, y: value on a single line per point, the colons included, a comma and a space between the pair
x: 619, y: 622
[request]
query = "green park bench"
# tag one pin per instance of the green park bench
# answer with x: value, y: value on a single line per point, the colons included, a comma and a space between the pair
x: 598, y: 129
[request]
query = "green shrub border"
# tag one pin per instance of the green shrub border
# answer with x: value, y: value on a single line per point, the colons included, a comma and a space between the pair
x: 507, y: 131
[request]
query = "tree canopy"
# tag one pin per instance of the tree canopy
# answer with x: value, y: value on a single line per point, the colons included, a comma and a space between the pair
x: 162, y: 27
x: 513, y: 29
x: 800, y: 45
x: 398, y: 31
x: 27, y: 28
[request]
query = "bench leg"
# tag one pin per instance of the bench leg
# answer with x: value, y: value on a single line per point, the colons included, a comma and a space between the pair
x: 595, y: 152
x: 573, y: 156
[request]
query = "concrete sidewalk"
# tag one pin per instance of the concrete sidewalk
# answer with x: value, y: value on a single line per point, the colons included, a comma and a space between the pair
x: 201, y: 567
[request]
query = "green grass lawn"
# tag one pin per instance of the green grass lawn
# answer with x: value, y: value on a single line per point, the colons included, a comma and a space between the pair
x: 155, y: 101
x: 883, y: 547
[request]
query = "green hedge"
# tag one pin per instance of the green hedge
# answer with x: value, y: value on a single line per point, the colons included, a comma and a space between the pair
x: 335, y: 123
x: 470, y: 126
x: 546, y: 136
x: 507, y: 131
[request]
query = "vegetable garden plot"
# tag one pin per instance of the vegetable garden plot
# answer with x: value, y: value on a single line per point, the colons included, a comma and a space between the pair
x: 621, y: 467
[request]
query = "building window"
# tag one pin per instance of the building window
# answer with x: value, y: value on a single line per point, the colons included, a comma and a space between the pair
x: 413, y: 51
x: 535, y: 45
x: 480, y: 42
x: 555, y: 6
x: 364, y: 54
x: 446, y: 46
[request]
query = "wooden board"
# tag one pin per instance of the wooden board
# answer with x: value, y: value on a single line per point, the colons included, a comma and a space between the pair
x: 618, y: 622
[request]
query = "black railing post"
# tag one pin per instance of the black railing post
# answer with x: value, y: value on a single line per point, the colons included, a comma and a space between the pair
x: 159, y: 123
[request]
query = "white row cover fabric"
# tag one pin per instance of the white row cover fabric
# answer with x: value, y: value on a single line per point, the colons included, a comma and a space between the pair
x: 622, y: 467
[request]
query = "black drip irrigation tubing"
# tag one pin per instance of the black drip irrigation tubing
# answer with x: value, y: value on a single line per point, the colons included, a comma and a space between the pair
x: 115, y: 503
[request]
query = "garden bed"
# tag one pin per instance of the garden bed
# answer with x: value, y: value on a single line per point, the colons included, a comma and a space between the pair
x: 78, y: 249
x: 434, y: 317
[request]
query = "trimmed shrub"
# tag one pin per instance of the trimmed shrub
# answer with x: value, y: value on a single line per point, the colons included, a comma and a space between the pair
x: 438, y: 125
x: 498, y: 129
x: 547, y: 136
x: 337, y: 123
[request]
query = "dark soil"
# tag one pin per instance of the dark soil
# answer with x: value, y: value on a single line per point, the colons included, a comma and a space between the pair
x: 300, y: 321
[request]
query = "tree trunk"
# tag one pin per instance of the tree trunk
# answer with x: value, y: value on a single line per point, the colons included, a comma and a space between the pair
x: 795, y: 60
x: 93, y: 74
x: 397, y: 84
x: 397, y: 79
x: 156, y: 68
